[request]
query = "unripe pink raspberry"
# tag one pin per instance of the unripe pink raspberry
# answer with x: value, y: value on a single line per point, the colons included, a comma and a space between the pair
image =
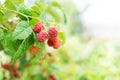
x: 53, y: 32
x: 42, y: 36
x: 38, y: 27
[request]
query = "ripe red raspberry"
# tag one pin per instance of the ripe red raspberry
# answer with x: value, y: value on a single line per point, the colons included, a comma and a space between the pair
x: 52, y: 77
x: 53, y: 32
x: 15, y: 73
x: 56, y: 44
x: 38, y: 27
x: 50, y: 42
x: 34, y: 50
x: 53, y: 38
x: 42, y: 36
x: 6, y: 66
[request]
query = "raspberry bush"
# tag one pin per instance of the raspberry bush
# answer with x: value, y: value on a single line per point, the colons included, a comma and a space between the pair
x: 25, y: 35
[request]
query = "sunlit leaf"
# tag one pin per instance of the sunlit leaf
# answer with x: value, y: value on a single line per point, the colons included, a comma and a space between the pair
x: 22, y: 31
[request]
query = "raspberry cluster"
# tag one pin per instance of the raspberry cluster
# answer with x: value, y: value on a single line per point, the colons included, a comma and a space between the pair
x: 53, y: 40
x: 51, y: 36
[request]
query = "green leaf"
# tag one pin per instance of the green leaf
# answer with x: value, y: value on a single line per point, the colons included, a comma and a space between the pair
x: 27, y: 12
x: 33, y: 22
x: 1, y: 34
x: 62, y: 37
x: 23, y: 47
x: 23, y: 62
x: 17, y: 2
x: 57, y: 14
x: 38, y: 8
x: 50, y: 10
x: 1, y: 47
x: 9, y: 5
x: 1, y: 15
x: 56, y: 4
x: 22, y: 31
x: 7, y: 41
x: 9, y: 53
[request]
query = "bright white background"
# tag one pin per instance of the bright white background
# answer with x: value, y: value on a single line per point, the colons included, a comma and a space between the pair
x: 102, y: 17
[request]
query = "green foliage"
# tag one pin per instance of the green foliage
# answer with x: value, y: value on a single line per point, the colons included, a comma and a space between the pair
x: 7, y: 41
x: 24, y: 12
x: 22, y: 31
x: 1, y: 15
x: 62, y: 37
x: 38, y: 8
x: 8, y: 4
x: 26, y: 43
x: 1, y: 34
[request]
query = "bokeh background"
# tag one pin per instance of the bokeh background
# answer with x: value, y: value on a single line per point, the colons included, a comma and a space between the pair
x: 92, y: 48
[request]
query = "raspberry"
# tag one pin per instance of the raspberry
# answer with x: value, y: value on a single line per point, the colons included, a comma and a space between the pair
x: 52, y: 77
x: 6, y: 66
x: 53, y: 32
x: 53, y: 38
x: 50, y: 42
x: 38, y: 27
x: 15, y: 73
x: 42, y: 36
x: 34, y: 50
x: 56, y: 44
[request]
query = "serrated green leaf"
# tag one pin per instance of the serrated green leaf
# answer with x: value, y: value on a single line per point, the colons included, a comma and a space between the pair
x: 10, y: 5
x: 62, y: 37
x: 22, y: 31
x: 23, y: 47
